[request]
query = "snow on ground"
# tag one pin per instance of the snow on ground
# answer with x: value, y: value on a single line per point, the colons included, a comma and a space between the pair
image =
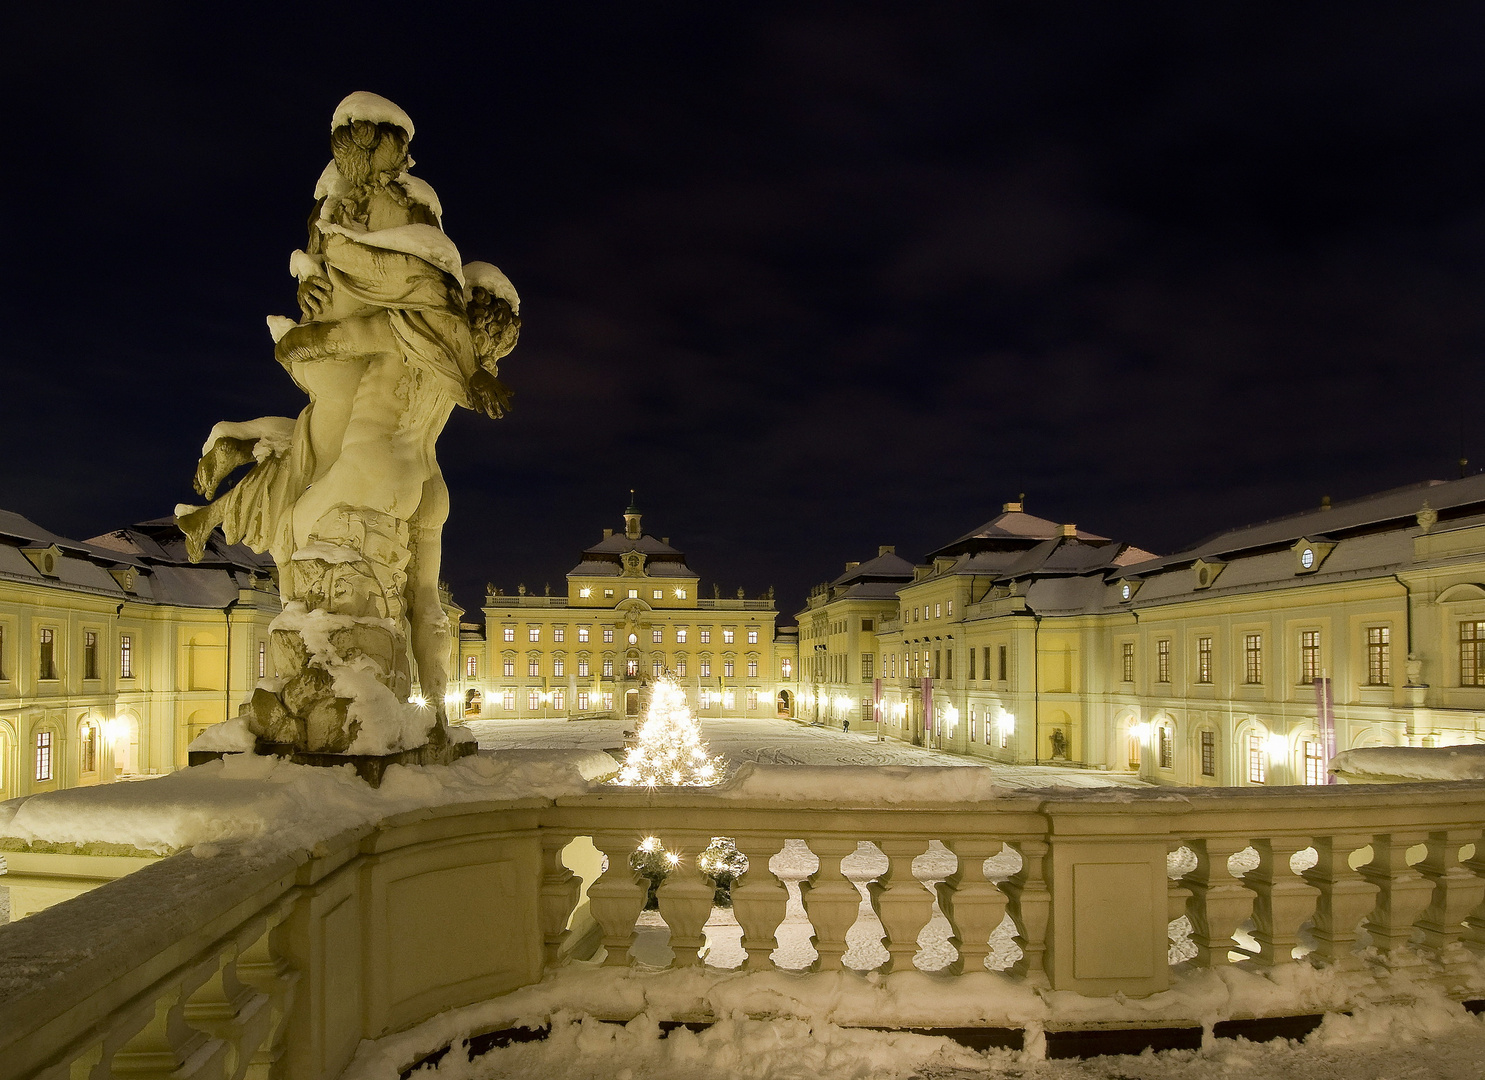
x: 775, y: 1025
x: 784, y: 742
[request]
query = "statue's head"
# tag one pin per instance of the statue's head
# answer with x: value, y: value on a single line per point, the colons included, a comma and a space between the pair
x: 369, y: 136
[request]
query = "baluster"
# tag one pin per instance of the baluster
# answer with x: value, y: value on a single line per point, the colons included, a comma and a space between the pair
x: 233, y: 1012
x: 1404, y: 892
x: 1219, y: 903
x: 686, y: 901
x: 1345, y: 897
x: 79, y: 1067
x: 903, y: 903
x: 759, y: 900
x: 1457, y: 890
x: 560, y: 891
x: 972, y: 903
x: 1285, y: 900
x: 1030, y: 908
x: 832, y: 902
x: 263, y: 967
x: 168, y: 1048
x: 1474, y: 922
x: 617, y: 897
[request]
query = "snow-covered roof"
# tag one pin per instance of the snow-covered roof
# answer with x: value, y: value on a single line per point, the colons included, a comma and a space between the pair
x: 888, y: 566
x: 1013, y: 527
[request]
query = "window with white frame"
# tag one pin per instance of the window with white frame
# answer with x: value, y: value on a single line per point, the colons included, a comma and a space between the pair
x: 262, y: 659
x: 1309, y: 655
x: 582, y: 667
x: 657, y: 636
x: 608, y: 667
x: 1204, y: 660
x: 608, y: 701
x: 608, y: 635
x: 1379, y: 656
x: 1257, y: 759
x: 680, y: 635
x: 43, y: 756
x: 1209, y: 753
x: 559, y: 667
x: 1128, y: 658
x: 582, y: 633
x: 1162, y: 660
x: 657, y: 666
x: 752, y: 637
x: 727, y: 666
x: 508, y: 633
x: 728, y: 634
x: 471, y: 667
x: 90, y: 654
x: 509, y: 667
x: 559, y: 633
x: 582, y: 700
x: 533, y: 699
x: 533, y: 633
x: 680, y: 665
x: 533, y: 666
x: 508, y: 700
x: 786, y: 667
x: 1252, y: 659
x: 752, y: 699
x: 47, y: 669
x: 706, y: 667
x: 1166, y: 746
x: 706, y: 636
x: 559, y: 699
x: 752, y: 667
x: 1314, y: 762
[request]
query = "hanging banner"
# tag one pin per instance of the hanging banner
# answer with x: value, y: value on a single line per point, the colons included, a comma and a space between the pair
x: 927, y: 704
x: 876, y: 701
x: 1325, y: 720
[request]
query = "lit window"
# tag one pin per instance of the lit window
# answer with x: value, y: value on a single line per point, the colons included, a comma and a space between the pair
x: 1162, y: 661
x: 88, y: 748
x: 706, y: 637
x: 559, y: 633
x: 634, y: 594
x: 510, y: 667
x: 608, y: 667
x: 1257, y: 760
x: 867, y: 660
x: 1252, y: 660
x: 657, y: 667
x: 471, y: 667
x: 680, y: 635
x: 631, y: 667
x: 1209, y: 753
x: 1004, y: 663
x: 559, y: 699
x: 48, y: 667
x: 938, y: 611
x: 582, y: 633
x: 508, y: 700
x: 729, y: 699
x: 559, y: 667
x: 1135, y: 748
x: 657, y: 636
x: 658, y: 594
x: 262, y: 659
x: 727, y: 668
x: 608, y: 594
x: 508, y: 633
x: 1128, y: 661
x: 608, y: 701
x: 1309, y: 656
x: 608, y: 634
x: 582, y: 703
x: 1378, y: 655
x: 1204, y: 660
x: 728, y: 636
x: 752, y: 698
x: 533, y: 699
x: 752, y: 637
x: 680, y: 666
x: 533, y: 633
x: 585, y: 592
x: 533, y: 667
x: 582, y: 667
x: 1314, y: 763
x: 90, y: 655
x: 634, y: 639
x: 1166, y: 745
x: 680, y: 594
x: 949, y: 609
x: 786, y: 668
x: 706, y: 668
x: 752, y: 668
x: 43, y: 756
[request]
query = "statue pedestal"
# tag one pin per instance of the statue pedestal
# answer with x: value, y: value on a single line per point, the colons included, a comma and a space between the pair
x: 369, y: 767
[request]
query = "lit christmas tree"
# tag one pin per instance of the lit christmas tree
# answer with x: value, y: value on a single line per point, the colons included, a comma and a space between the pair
x: 669, y: 748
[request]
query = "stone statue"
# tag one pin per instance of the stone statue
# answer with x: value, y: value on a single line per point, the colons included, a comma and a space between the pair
x: 1059, y: 745
x: 394, y: 332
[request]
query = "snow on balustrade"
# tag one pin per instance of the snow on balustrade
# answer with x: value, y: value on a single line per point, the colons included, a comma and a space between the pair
x: 773, y: 893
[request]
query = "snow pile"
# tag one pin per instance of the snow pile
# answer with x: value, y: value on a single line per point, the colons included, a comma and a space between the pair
x: 779, y: 1025
x: 862, y: 785
x: 425, y: 242
x: 488, y: 276
x: 267, y: 804
x: 1377, y: 764
x: 229, y: 737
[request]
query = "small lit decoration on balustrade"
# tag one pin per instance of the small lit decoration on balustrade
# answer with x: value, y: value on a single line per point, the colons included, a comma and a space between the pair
x: 722, y: 864
x: 653, y: 863
x: 669, y: 750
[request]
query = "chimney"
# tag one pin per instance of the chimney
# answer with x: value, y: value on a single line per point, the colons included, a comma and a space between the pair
x: 1070, y: 530
x: 851, y: 566
x: 665, y: 540
x: 1324, y: 502
x: 1011, y: 508
x: 886, y: 549
x: 607, y: 533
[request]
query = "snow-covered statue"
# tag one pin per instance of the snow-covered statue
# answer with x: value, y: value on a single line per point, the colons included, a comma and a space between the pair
x: 394, y: 332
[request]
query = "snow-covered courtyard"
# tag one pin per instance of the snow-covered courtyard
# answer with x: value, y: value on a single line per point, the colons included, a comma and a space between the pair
x: 780, y: 742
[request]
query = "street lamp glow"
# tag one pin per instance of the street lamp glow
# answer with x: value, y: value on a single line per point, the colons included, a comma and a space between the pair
x: 419, y: 700
x: 1277, y: 746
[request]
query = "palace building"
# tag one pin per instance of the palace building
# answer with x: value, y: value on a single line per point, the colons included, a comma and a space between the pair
x: 631, y: 614
x: 116, y: 652
x: 1246, y: 660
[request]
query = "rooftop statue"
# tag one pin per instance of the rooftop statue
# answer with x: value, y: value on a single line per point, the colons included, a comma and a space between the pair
x: 394, y: 332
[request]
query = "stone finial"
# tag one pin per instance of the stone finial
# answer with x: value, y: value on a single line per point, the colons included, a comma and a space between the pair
x: 1427, y: 517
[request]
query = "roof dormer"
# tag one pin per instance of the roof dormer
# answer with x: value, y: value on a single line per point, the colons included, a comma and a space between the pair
x: 44, y: 557
x: 1206, y: 571
x: 1309, y: 554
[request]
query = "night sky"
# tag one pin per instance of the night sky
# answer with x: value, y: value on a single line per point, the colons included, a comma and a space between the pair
x: 811, y: 278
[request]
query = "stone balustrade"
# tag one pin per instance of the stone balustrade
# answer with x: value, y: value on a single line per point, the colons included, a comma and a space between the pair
x: 234, y: 967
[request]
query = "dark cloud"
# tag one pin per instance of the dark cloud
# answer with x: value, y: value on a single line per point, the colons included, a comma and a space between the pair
x: 810, y: 277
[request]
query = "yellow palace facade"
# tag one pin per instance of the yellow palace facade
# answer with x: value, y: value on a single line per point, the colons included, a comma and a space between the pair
x: 631, y: 614
x: 1246, y: 660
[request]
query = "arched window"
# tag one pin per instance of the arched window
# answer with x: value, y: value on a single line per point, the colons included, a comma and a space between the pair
x: 472, y: 703
x: 87, y: 747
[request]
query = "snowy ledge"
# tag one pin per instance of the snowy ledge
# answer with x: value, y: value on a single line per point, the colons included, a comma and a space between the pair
x: 846, y: 1000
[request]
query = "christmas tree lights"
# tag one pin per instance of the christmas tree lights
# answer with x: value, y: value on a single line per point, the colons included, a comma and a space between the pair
x: 668, y: 749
